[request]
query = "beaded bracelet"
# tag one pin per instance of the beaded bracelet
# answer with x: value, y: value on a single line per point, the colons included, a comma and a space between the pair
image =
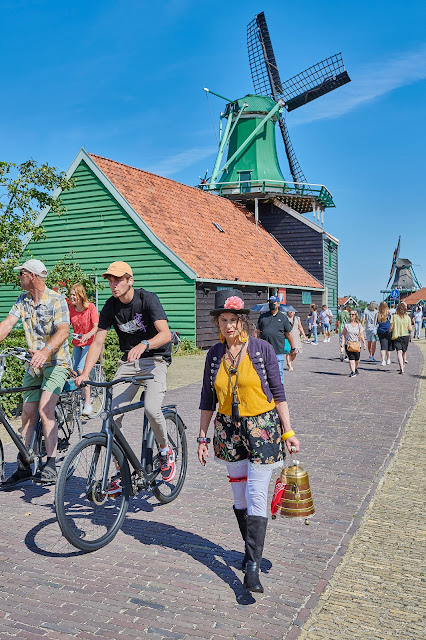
x: 288, y: 434
x: 203, y: 440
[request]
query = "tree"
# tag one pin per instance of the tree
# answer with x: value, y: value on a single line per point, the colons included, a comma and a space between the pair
x: 25, y: 190
x: 67, y: 272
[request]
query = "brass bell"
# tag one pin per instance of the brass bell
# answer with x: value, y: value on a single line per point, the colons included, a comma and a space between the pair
x: 296, y: 501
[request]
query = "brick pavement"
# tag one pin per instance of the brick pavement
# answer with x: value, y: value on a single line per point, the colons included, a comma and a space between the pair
x: 379, y: 589
x: 172, y: 570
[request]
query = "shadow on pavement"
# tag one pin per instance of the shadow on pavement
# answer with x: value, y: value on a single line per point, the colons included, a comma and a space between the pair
x: 45, y: 539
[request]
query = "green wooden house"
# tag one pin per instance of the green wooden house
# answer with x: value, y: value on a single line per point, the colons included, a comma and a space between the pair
x: 182, y: 243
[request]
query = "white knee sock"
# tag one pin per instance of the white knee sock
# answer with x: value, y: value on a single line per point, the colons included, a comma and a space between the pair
x: 237, y: 470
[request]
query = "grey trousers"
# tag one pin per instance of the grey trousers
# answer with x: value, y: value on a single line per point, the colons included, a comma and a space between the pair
x: 155, y: 390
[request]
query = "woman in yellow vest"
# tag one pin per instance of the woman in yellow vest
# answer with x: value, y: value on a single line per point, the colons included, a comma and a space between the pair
x: 401, y: 329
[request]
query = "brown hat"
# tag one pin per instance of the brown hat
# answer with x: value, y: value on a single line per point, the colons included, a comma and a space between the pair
x: 118, y: 269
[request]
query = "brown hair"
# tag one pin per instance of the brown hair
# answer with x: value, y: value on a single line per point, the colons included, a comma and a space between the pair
x: 383, y: 312
x: 401, y: 309
x: 81, y: 294
x: 241, y: 316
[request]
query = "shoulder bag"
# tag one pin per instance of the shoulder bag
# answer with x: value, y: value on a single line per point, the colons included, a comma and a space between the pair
x: 354, y: 345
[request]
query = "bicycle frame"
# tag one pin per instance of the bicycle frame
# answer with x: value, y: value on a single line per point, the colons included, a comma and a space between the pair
x: 27, y: 453
x: 113, y: 432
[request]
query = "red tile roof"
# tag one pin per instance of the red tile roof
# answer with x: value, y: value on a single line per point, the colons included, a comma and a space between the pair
x: 416, y: 296
x: 184, y: 219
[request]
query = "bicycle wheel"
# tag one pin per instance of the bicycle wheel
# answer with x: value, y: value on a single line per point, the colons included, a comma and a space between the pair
x: 88, y: 519
x: 97, y: 394
x: 1, y: 462
x: 169, y: 491
x: 70, y: 430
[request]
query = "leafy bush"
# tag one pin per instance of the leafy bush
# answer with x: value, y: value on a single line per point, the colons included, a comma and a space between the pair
x: 188, y: 348
x: 14, y: 371
x: 112, y: 355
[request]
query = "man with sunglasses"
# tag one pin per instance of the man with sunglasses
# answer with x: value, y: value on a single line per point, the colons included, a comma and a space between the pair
x: 45, y: 319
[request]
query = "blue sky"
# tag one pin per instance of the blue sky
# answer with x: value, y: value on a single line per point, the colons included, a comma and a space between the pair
x: 125, y: 80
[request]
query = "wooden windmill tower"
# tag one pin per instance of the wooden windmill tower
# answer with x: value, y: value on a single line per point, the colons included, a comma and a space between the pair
x: 251, y: 172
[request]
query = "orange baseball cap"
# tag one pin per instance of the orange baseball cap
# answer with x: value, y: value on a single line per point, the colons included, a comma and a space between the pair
x: 118, y: 269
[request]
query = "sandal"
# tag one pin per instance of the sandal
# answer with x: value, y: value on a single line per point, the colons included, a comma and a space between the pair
x: 47, y: 476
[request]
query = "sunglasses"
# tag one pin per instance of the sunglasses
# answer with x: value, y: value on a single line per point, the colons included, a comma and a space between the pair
x: 21, y: 273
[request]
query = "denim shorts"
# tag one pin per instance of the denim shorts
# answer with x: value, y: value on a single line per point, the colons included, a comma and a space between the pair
x: 79, y: 357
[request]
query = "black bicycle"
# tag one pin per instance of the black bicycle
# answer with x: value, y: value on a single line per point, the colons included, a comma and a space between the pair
x: 95, y: 481
x: 69, y: 425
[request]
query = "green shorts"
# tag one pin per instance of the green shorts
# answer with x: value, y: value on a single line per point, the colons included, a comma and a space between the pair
x: 50, y: 379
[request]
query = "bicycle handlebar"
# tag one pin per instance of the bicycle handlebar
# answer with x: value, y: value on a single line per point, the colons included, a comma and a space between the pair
x: 132, y: 380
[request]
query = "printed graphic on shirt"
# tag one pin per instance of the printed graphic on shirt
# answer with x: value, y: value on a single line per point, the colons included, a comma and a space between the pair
x: 137, y: 324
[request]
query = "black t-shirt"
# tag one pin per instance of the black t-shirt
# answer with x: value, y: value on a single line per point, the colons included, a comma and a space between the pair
x: 134, y: 322
x: 273, y: 329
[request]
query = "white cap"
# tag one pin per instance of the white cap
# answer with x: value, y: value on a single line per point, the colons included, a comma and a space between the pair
x: 33, y: 266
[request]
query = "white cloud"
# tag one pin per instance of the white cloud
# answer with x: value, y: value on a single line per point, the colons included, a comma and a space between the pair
x: 173, y: 164
x: 368, y: 84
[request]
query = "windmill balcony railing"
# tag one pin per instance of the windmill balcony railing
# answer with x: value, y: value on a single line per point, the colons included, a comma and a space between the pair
x: 297, y: 189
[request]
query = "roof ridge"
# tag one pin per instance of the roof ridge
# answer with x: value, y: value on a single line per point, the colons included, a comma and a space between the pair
x: 150, y: 173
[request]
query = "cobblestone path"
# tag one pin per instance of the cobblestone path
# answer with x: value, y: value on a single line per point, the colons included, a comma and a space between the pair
x: 379, y: 590
x: 172, y: 570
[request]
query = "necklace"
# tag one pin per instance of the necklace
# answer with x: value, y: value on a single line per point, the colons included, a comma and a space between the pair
x: 235, y: 360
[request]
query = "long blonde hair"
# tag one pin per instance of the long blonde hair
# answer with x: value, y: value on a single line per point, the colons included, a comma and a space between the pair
x: 383, y: 312
x: 401, y: 309
x: 81, y: 294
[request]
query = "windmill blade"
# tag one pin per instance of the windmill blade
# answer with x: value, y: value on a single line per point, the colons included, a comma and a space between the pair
x: 263, y: 66
x: 266, y: 81
x: 321, y: 78
x: 394, y: 259
x: 295, y: 168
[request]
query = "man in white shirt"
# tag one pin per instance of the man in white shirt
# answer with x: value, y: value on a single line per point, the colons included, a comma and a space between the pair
x: 325, y: 320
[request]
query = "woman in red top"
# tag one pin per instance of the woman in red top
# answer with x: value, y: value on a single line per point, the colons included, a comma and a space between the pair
x: 84, y: 320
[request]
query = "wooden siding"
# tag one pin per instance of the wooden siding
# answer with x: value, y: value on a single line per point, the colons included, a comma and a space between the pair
x: 331, y: 273
x: 207, y: 333
x: 99, y: 231
x: 302, y: 242
x: 294, y: 297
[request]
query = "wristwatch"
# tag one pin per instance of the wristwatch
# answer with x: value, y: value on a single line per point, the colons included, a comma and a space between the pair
x: 146, y: 343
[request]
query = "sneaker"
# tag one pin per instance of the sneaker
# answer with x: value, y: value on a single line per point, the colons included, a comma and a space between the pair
x: 314, y: 344
x: 87, y: 410
x: 168, y: 465
x: 346, y: 359
x: 373, y: 359
x: 352, y: 374
x: 388, y: 361
x: 357, y: 372
x: 18, y: 477
x: 383, y: 363
x: 115, y: 489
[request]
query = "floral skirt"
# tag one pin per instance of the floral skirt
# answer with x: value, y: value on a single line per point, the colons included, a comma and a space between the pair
x: 256, y: 438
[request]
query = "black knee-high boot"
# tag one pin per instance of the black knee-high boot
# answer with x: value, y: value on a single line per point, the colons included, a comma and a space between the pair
x: 255, y: 539
x: 241, y: 515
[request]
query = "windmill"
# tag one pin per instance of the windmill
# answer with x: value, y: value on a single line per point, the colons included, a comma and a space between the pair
x: 316, y: 81
x: 405, y: 281
x: 252, y: 170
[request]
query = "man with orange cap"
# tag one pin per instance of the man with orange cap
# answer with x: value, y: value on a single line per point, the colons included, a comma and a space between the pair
x: 141, y: 324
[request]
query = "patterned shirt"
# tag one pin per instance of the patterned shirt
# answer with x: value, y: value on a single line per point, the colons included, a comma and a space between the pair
x: 40, y: 322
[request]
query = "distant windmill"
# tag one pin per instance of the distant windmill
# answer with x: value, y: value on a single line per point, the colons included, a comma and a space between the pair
x: 405, y: 281
x: 251, y: 170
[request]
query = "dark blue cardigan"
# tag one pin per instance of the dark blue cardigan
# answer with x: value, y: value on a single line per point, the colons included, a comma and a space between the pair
x: 264, y: 361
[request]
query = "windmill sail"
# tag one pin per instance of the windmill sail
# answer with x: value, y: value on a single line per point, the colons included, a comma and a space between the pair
x: 321, y: 78
x: 266, y: 81
x: 394, y: 259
